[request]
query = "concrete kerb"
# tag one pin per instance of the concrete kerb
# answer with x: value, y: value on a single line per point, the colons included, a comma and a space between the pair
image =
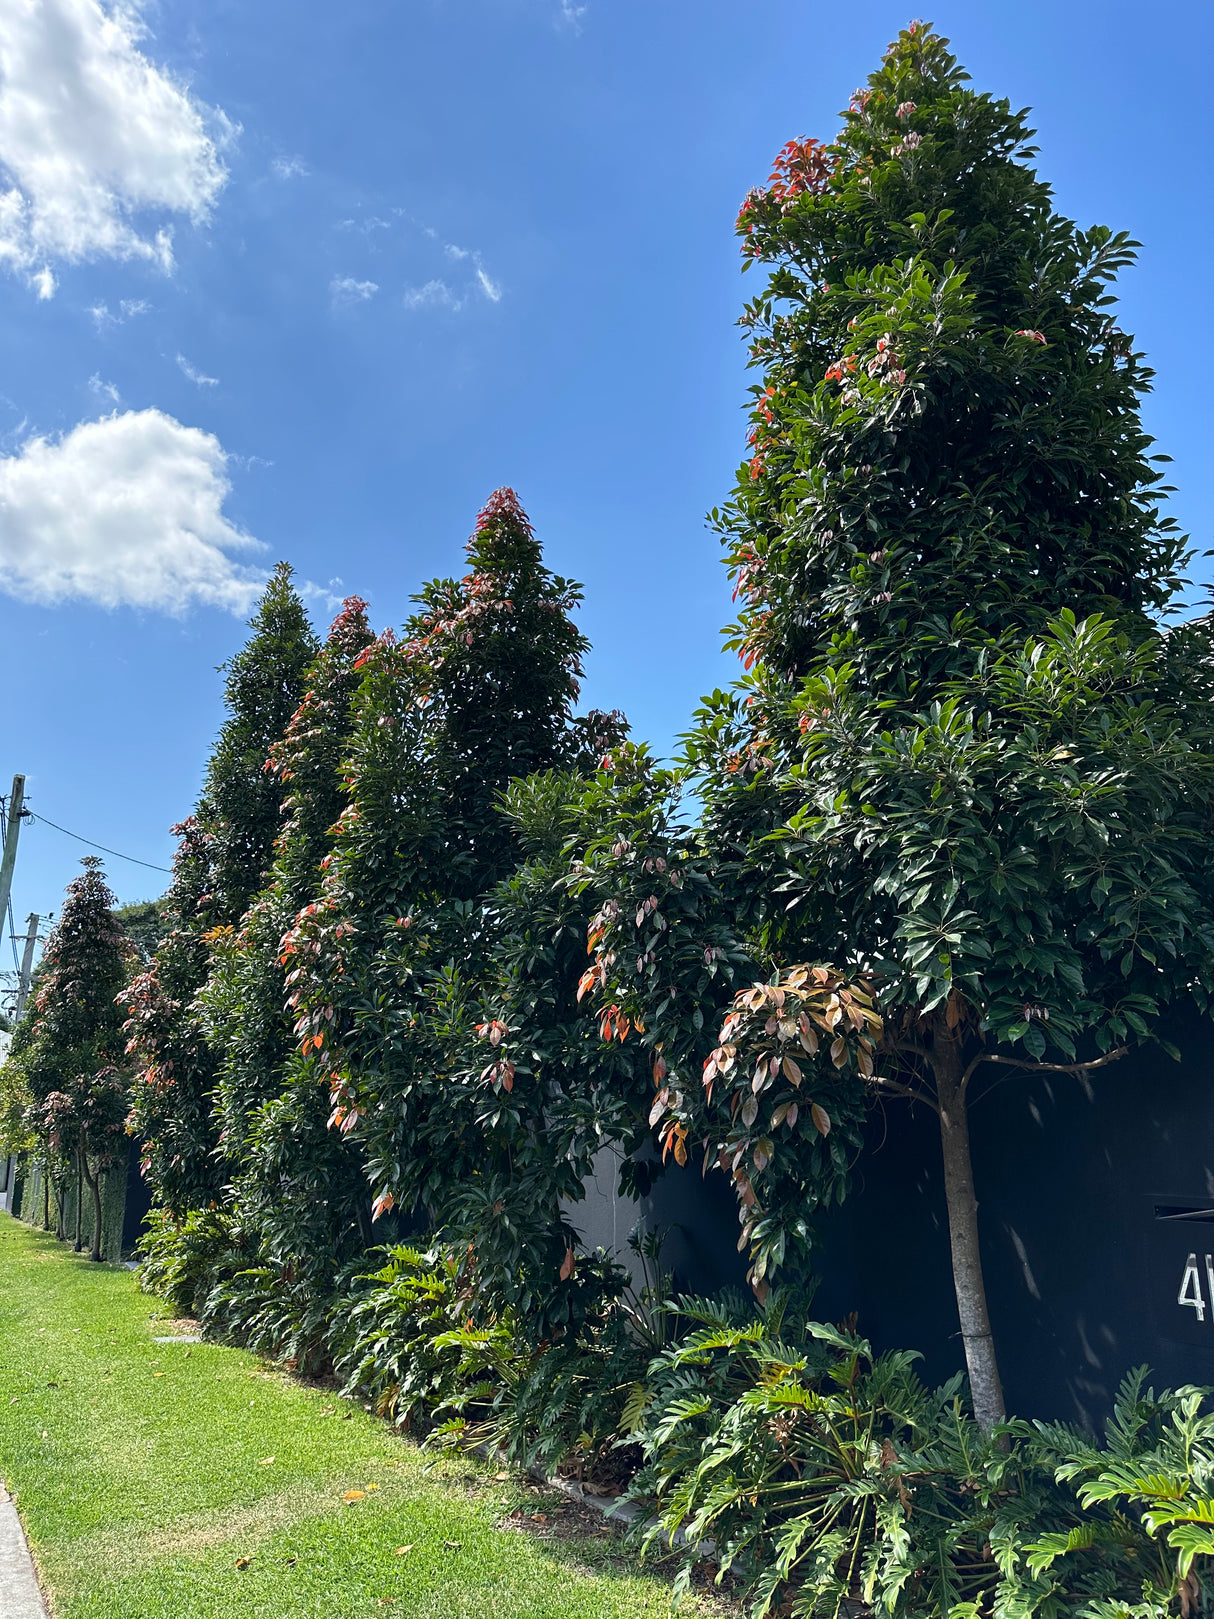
x: 20, y: 1596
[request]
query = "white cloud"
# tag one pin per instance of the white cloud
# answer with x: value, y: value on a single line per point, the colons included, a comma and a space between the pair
x: 344, y: 289
x: 104, y: 390
x: 484, y: 280
x: 128, y: 308
x: 488, y: 286
x: 290, y: 168
x: 322, y: 595
x: 434, y: 292
x: 372, y: 222
x: 571, y: 15
x: 92, y: 135
x: 125, y: 512
x: 197, y: 377
x: 438, y: 292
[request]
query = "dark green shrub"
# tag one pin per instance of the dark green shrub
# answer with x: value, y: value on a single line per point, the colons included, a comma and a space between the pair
x: 827, y: 1478
x: 181, y: 1260
x: 393, y: 1352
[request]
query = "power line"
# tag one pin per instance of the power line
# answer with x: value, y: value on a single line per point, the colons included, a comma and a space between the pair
x: 117, y: 856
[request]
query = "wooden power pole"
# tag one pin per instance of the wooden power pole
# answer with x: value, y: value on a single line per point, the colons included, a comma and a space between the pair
x: 27, y: 964
x: 8, y: 860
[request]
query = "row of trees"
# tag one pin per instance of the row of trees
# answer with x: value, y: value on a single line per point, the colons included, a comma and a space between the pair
x: 64, y: 1089
x: 432, y: 940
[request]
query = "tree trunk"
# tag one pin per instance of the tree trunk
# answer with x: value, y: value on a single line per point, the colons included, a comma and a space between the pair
x: 60, y: 1200
x: 94, y: 1185
x: 46, y: 1197
x: 79, y: 1243
x: 986, y: 1390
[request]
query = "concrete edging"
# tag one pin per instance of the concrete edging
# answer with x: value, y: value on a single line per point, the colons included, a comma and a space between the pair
x: 20, y: 1595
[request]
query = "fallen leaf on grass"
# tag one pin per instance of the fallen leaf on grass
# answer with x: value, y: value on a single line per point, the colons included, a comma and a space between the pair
x: 353, y: 1495
x: 266, y: 1460
x: 371, y: 1487
x: 157, y: 1374
x: 243, y: 1562
x: 500, y: 1476
x: 539, y: 1517
x: 453, y: 1545
x: 401, y: 1550
x: 291, y: 1561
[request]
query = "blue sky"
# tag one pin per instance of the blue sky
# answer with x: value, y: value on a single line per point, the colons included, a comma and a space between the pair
x: 321, y: 277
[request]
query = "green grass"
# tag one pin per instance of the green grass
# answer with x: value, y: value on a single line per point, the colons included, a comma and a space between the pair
x: 144, y: 1471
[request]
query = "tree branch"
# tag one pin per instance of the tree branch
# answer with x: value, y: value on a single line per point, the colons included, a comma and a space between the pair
x: 895, y: 1089
x: 1028, y: 1064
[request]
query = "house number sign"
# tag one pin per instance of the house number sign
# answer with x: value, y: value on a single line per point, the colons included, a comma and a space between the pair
x: 1190, y: 1293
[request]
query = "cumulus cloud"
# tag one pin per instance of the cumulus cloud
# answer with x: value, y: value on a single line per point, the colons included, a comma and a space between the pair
x: 126, y: 511
x: 92, y: 137
x: 344, y: 289
x: 196, y: 377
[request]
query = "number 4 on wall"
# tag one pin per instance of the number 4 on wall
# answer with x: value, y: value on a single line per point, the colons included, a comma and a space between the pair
x: 1190, y: 1293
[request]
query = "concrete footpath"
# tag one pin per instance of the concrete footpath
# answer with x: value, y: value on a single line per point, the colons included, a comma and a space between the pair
x: 20, y: 1597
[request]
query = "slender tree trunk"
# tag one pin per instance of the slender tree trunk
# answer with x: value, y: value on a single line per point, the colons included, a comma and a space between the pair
x: 46, y: 1197
x: 60, y: 1201
x: 79, y: 1243
x: 986, y: 1389
x: 94, y: 1185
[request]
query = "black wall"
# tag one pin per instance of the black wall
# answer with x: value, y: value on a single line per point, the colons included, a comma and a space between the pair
x: 1093, y: 1194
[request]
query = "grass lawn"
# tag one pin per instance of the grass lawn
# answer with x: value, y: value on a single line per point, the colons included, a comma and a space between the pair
x: 147, y: 1474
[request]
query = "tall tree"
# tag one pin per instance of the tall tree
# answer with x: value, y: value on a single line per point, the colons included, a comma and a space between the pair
x: 297, y: 1185
x: 70, y: 1043
x: 967, y: 767
x: 224, y: 852
x: 388, y: 966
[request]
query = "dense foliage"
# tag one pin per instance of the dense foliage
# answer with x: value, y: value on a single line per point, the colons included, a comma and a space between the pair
x: 826, y: 1477
x: 222, y: 856
x: 67, y: 1052
x: 967, y: 765
x: 434, y: 940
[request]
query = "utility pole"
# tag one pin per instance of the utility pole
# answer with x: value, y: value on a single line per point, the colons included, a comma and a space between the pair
x: 27, y: 965
x: 16, y: 808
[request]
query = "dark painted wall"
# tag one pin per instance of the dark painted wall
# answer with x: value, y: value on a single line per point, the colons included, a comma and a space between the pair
x: 1091, y: 1199
x: 1093, y: 1195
